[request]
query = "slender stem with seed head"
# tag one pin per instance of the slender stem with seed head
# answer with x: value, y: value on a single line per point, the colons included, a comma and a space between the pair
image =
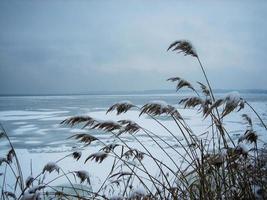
x: 257, y: 115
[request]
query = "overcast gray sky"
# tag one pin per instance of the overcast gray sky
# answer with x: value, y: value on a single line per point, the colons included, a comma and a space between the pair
x: 83, y: 46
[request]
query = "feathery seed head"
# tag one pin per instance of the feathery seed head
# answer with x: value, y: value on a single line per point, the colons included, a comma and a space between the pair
x: 3, y: 160
x: 10, y: 194
x: 98, y: 157
x: 109, y: 148
x: 29, y: 181
x: 157, y: 108
x: 83, y: 176
x: 204, y: 89
x: 121, y: 107
x: 232, y: 101
x: 134, y: 153
x: 191, y: 102
x: 181, y: 83
x: 50, y: 167
x: 129, y: 126
x: 183, y: 46
x: 10, y: 155
x: 79, y: 119
x: 249, y: 136
x: 77, y: 155
x: 85, y: 138
x: 107, y: 126
x: 247, y: 120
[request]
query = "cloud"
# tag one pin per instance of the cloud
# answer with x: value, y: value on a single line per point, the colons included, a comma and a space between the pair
x: 83, y: 46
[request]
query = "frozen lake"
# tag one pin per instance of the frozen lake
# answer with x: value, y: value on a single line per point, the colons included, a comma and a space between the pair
x: 33, y: 124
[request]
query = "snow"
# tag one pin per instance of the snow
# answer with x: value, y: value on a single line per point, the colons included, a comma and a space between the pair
x: 243, y: 146
x: 28, y: 115
x: 41, y: 155
x: 30, y: 196
x: 29, y: 180
x: 50, y: 167
x: 159, y: 102
x: 233, y: 96
x: 125, y: 102
x: 35, y: 188
x: 139, y: 192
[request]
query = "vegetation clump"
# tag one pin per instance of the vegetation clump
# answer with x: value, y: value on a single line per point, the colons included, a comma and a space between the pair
x: 210, y: 165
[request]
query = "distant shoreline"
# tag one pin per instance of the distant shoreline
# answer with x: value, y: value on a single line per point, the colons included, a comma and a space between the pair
x: 141, y: 92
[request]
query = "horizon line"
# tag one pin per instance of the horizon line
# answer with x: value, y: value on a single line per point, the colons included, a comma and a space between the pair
x: 121, y: 92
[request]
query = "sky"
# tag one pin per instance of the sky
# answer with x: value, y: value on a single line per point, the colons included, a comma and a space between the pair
x: 79, y: 46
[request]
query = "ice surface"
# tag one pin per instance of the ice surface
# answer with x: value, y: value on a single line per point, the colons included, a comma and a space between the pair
x: 38, y: 136
x: 27, y: 115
